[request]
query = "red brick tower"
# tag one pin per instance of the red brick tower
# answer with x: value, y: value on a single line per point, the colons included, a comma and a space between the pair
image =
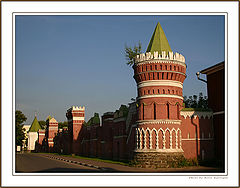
x: 75, y: 116
x: 159, y: 74
x: 52, y: 129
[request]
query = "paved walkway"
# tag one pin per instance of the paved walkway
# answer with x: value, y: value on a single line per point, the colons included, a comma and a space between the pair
x: 109, y: 167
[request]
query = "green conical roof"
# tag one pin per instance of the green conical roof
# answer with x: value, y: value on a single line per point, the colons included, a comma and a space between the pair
x: 48, y: 118
x: 158, y: 41
x: 35, y: 126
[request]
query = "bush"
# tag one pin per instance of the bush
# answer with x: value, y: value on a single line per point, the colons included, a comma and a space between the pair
x: 187, y: 162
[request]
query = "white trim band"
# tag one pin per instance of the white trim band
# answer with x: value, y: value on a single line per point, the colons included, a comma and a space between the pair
x: 160, y: 83
x: 218, y: 113
x: 158, y: 150
x: 78, y: 118
x: 160, y: 95
x: 160, y: 121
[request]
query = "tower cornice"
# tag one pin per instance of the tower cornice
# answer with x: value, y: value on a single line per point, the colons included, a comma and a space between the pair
x: 155, y: 56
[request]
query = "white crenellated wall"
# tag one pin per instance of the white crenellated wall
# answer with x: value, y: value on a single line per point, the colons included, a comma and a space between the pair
x: 163, y: 56
x: 195, y: 114
x: 82, y: 108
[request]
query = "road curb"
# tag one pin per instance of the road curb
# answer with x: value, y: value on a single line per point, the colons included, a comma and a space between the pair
x: 75, y: 162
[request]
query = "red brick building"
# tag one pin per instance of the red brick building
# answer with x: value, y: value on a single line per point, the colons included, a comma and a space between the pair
x: 155, y: 130
x: 216, y: 101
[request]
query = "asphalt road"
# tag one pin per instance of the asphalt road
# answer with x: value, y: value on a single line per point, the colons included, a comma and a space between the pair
x: 29, y: 163
x: 48, y: 163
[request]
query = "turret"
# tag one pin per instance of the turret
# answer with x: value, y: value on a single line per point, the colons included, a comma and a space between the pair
x: 159, y: 74
x: 75, y: 116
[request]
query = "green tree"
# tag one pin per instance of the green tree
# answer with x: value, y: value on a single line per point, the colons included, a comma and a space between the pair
x: 62, y: 124
x: 131, y: 53
x: 196, y: 101
x: 42, y: 123
x: 19, y: 118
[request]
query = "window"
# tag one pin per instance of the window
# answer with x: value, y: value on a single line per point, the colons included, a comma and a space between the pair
x: 143, y: 111
x: 155, y: 67
x: 178, y: 112
x: 166, y: 67
x: 168, y: 115
x: 154, y: 111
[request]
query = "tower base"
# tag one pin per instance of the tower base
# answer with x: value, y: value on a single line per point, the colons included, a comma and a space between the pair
x: 157, y: 159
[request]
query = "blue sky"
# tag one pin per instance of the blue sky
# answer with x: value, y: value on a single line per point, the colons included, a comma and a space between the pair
x: 79, y: 60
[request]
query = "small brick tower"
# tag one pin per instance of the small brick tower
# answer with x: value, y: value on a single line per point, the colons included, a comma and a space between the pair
x: 52, y: 129
x: 159, y: 74
x: 75, y: 116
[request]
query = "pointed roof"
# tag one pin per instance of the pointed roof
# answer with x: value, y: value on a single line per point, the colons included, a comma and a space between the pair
x: 48, y: 118
x: 35, y: 125
x: 52, y: 120
x: 158, y: 41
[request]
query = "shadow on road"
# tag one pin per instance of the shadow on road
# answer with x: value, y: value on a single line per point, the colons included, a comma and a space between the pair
x: 60, y: 170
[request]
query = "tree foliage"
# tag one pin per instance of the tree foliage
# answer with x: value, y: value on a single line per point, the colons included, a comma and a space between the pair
x: 131, y: 53
x: 42, y: 123
x: 62, y: 124
x: 195, y: 101
x: 19, y: 118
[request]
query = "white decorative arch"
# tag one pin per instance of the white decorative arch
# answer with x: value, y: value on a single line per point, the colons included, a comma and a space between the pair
x: 170, y: 139
x: 150, y: 137
x: 156, y: 132
x: 180, y: 139
x: 176, y: 141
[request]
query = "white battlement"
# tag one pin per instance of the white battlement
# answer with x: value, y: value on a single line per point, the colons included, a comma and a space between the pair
x: 82, y: 108
x: 163, y: 56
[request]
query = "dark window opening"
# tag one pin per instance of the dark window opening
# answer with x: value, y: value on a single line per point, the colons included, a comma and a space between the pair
x: 168, y: 111
x: 154, y: 111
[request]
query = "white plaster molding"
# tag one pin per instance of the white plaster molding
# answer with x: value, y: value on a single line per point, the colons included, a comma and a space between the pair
x: 218, y: 113
x: 78, y: 118
x: 195, y: 114
x: 160, y: 83
x: 160, y: 96
x: 156, y: 56
x: 73, y: 108
x: 158, y: 150
x: 53, y: 128
x: 160, y: 121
